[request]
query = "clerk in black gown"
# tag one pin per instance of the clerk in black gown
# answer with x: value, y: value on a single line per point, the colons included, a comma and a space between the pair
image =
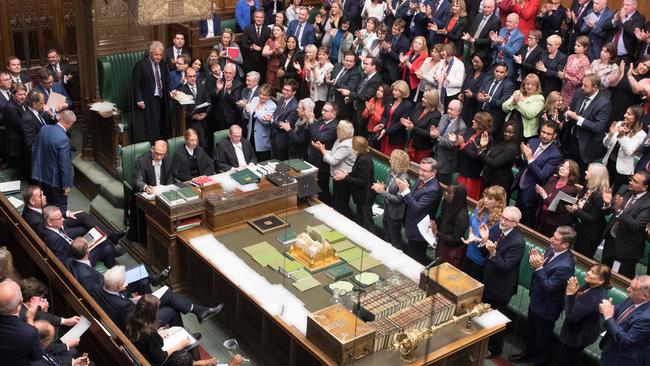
x: 190, y: 160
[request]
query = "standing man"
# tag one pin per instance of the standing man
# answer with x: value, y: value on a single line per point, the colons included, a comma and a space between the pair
x: 628, y: 326
x: 594, y: 28
x: 444, y: 135
x: 421, y: 199
x: 16, y: 71
x: 479, y: 34
x: 225, y: 96
x: 491, y: 95
x: 52, y: 160
x: 504, y: 248
x: 625, y: 231
x: 196, y: 120
x: 364, y: 91
x: 253, y: 40
x: 323, y: 131
x: 390, y: 51
x: 47, y: 86
x: 343, y: 76
x: 552, y: 270
x: 33, y: 121
x: 286, y: 111
x: 14, y: 135
x: 60, y: 72
x: 302, y: 29
x: 622, y: 27
x: 507, y: 42
x: 178, y: 48
x: 151, y: 93
x: 575, y: 18
x: 5, y: 97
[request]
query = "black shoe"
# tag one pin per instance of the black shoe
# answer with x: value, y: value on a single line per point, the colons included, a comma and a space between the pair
x: 197, y: 336
x: 209, y: 313
x: 520, y: 358
x: 119, y: 251
x: 122, y: 233
x: 491, y: 354
x: 163, y: 275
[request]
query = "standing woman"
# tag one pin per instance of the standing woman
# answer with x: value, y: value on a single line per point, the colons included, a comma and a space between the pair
x: 392, y: 133
x: 374, y: 111
x: 244, y: 13
x: 456, y: 27
x: 341, y: 158
x: 451, y: 225
x: 273, y: 50
x: 291, y: 12
x: 450, y: 75
x: 565, y: 181
x: 425, y: 115
x: 339, y: 40
x: 605, y: 66
x: 394, y: 205
x: 526, y: 104
x: 550, y: 18
x: 426, y: 72
x: 315, y: 77
x: 365, y: 38
x: 554, y: 110
x: 623, y: 142
x: 410, y: 62
x: 499, y: 159
x: 305, y: 70
x: 290, y: 56
x: 469, y: 145
x: 374, y: 9
x: 473, y: 79
x: 576, y: 67
x: 552, y: 62
x: 588, y: 211
x: 259, y: 113
x: 360, y: 180
x: 582, y: 317
x: 298, y: 135
x: 527, y: 11
x: 228, y: 41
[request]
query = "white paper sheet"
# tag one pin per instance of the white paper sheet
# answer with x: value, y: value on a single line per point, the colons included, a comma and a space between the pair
x: 136, y: 274
x: 77, y: 331
x: 160, y: 292
x: 424, y: 227
x: 7, y: 187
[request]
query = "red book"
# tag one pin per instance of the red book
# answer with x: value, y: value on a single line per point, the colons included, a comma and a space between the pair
x: 232, y: 52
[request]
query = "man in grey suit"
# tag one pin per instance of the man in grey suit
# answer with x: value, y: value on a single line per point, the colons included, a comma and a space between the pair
x: 445, y: 149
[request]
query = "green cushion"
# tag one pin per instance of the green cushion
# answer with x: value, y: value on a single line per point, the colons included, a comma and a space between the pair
x: 114, y: 73
x: 228, y: 23
x: 219, y: 136
x: 129, y: 154
x: 173, y: 144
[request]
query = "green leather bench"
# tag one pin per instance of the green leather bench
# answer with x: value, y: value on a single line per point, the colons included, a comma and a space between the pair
x: 228, y: 23
x: 129, y: 154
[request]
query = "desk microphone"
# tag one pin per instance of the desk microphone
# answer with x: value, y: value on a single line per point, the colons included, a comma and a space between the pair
x: 434, y: 263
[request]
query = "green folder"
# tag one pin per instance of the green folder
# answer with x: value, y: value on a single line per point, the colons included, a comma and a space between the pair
x: 352, y: 254
x: 300, y: 274
x: 297, y: 164
x: 364, y: 264
x: 343, y: 245
x: 306, y: 284
x: 258, y: 248
x: 322, y: 228
x: 188, y: 193
x: 333, y: 236
x: 285, y: 263
x: 245, y: 176
x: 267, y: 258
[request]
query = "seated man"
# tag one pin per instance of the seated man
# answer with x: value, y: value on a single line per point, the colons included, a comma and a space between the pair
x: 93, y: 281
x: 153, y: 168
x: 46, y: 335
x: 57, y: 239
x: 234, y: 152
x: 119, y: 308
x: 20, y: 343
x: 76, y: 223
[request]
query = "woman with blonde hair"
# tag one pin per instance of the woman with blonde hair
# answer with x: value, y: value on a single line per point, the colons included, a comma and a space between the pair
x: 191, y: 160
x: 623, y: 142
x: 392, y: 133
x: 298, y: 135
x: 551, y: 63
x: 426, y: 74
x: 315, y: 75
x: 411, y: 62
x: 394, y: 206
x: 488, y: 211
x: 525, y: 105
x: 425, y: 115
x: 228, y: 41
x: 588, y: 212
x: 7, y: 269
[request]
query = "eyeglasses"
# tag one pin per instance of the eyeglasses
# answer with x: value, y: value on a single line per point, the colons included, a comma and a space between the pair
x: 503, y: 218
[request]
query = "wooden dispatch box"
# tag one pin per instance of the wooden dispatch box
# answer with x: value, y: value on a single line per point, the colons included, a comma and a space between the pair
x: 340, y: 334
x: 454, y: 284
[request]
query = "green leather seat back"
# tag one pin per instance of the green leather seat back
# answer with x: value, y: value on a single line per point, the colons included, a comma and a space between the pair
x: 129, y: 154
x: 115, y: 82
x: 219, y: 136
x: 173, y: 144
x: 228, y: 23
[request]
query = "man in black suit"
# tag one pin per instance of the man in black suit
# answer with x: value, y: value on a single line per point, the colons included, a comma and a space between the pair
x: 178, y: 48
x: 46, y: 334
x: 5, y: 97
x: 271, y: 8
x: 286, y: 111
x: 504, y: 249
x: 225, y: 96
x: 151, y: 94
x: 20, y: 343
x: 210, y: 27
x: 253, y: 40
x: 60, y: 72
x: 234, y: 152
x: 643, y: 35
x: 364, y: 91
x: 119, y: 308
x: 324, y: 131
x: 32, y: 121
x: 14, y: 136
x: 625, y: 231
x: 352, y: 9
x: 479, y: 33
x: 576, y: 19
x: 588, y: 118
x: 343, y: 76
x: 551, y: 271
x: 622, y: 28
x: 16, y: 71
x: 196, y: 120
x: 390, y: 51
x: 527, y: 57
x: 491, y: 95
x: 153, y: 168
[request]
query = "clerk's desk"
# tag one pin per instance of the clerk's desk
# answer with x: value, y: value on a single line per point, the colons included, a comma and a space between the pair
x: 192, y: 273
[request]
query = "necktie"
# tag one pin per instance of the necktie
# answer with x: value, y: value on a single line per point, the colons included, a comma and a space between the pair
x: 156, y: 70
x: 393, y: 43
x: 38, y: 115
x: 491, y: 91
x: 420, y: 185
x: 49, y: 360
x: 580, y: 10
x: 193, y: 90
x: 66, y: 237
x: 480, y: 27
x: 178, y: 53
x: 434, y: 9
x: 58, y: 73
x: 630, y: 202
x: 585, y: 103
x: 363, y: 83
x: 505, y: 43
x: 298, y: 30
x: 537, y: 153
x: 258, y: 32
x: 549, y: 259
x: 250, y: 96
x: 625, y: 314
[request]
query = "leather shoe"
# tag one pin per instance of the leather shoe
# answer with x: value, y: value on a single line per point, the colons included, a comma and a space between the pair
x: 197, y: 336
x: 122, y: 233
x: 209, y: 313
x: 520, y: 358
x: 490, y: 354
x: 160, y: 277
x: 119, y: 251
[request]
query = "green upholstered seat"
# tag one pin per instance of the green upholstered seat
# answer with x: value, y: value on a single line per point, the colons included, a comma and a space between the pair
x: 129, y: 154
x: 173, y: 144
x: 219, y: 136
x: 228, y: 23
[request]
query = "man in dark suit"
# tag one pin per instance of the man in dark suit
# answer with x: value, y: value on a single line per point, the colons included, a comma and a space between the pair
x: 253, y: 40
x: 14, y: 136
x: 588, y: 117
x: 491, y: 95
x: 178, y: 48
x: 33, y: 120
x: 343, y: 76
x: 119, y: 308
x: 60, y: 72
x: 575, y: 19
x: 436, y: 12
x: 352, y: 9
x: 625, y: 232
x: 234, y: 152
x: 15, y: 70
x: 20, y: 343
x: 390, y: 51
x: 196, y: 120
x: 539, y: 161
x: 622, y: 27
x: 54, y: 357
x: 527, y: 57
x: 209, y: 28
x: 225, y: 96
x: 302, y: 29
x: 323, y: 131
x: 551, y: 271
x: 151, y: 94
x: 5, y: 97
x: 177, y: 75
x: 47, y: 85
x: 628, y: 327
x: 594, y: 28
x: 362, y: 93
x: 286, y: 111
x: 421, y: 199
x: 444, y: 150
x: 271, y: 8
x: 643, y: 35
x: 504, y: 247
x: 153, y: 168
x: 52, y: 160
x: 479, y: 33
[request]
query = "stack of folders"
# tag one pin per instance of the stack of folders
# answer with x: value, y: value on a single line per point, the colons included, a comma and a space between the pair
x: 385, y: 331
x: 436, y: 309
x: 172, y: 198
x: 188, y: 223
x: 388, y: 300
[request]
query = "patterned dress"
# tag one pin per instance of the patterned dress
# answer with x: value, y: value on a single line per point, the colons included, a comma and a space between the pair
x: 574, y: 71
x: 273, y: 65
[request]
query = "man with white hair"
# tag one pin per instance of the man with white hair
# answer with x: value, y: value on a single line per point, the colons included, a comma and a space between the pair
x: 507, y: 42
x: 224, y: 99
x: 119, y: 308
x: 151, y: 94
x: 20, y: 343
x: 234, y: 152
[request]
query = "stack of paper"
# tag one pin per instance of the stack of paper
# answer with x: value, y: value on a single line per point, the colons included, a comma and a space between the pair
x: 10, y: 187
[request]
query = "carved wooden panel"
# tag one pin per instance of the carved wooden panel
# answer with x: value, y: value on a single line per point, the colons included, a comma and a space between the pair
x: 168, y: 11
x: 116, y: 29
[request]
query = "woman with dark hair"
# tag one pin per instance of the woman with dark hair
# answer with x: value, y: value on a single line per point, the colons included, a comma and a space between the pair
x: 339, y: 40
x: 500, y: 157
x: 360, y: 179
x: 456, y: 27
x: 568, y: 174
x: 550, y: 18
x: 605, y: 66
x: 425, y: 115
x: 451, y: 225
x: 290, y: 56
x: 474, y: 77
x: 577, y: 65
x: 622, y: 141
x: 373, y: 112
x: 582, y: 317
x: 623, y: 94
x: 469, y: 145
x: 273, y: 50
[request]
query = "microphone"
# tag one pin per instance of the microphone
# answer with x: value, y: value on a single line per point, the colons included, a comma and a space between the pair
x: 434, y: 263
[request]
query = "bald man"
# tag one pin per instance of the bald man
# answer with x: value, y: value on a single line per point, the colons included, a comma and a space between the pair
x: 234, y: 152
x: 507, y: 42
x: 153, y: 168
x: 46, y: 335
x: 20, y: 343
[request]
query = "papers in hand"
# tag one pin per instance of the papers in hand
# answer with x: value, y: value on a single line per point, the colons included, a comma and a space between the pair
x: 424, y: 227
x: 102, y: 107
x: 55, y: 100
x: 15, y: 202
x: 94, y: 237
x: 201, y: 108
x: 182, y: 98
x: 175, y: 335
x: 160, y: 292
x: 561, y: 196
x: 76, y: 331
x: 136, y: 274
x: 591, y: 18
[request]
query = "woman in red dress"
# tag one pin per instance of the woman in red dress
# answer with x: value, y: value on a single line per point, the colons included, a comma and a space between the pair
x: 411, y: 62
x: 469, y: 144
x: 373, y: 112
x: 392, y: 133
x: 273, y: 50
x: 575, y: 69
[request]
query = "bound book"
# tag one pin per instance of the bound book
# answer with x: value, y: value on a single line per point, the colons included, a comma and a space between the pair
x: 232, y: 52
x: 280, y: 179
x: 201, y: 181
x: 287, y: 237
x: 188, y: 194
x: 201, y: 108
x: 298, y: 164
x: 338, y: 272
x: 245, y: 176
x: 172, y: 198
x: 94, y: 236
x: 188, y: 223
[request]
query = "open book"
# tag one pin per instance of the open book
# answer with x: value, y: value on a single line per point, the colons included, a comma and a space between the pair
x: 561, y: 199
x: 95, y: 237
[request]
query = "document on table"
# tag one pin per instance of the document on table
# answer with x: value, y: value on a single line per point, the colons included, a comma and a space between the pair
x: 76, y: 331
x: 10, y: 187
x: 424, y: 227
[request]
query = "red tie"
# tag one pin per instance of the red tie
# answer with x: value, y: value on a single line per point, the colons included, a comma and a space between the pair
x: 419, y: 186
x: 505, y: 42
x: 625, y: 314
